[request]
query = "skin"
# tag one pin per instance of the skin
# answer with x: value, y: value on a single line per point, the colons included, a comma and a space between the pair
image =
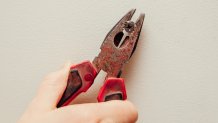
x: 42, y: 108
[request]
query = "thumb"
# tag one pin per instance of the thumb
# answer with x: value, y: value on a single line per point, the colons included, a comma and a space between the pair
x: 51, y: 89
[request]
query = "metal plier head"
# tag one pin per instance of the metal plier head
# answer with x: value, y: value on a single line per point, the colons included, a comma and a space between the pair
x: 119, y: 45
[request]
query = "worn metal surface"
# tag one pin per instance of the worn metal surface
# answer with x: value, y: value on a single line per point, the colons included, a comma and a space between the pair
x: 119, y: 45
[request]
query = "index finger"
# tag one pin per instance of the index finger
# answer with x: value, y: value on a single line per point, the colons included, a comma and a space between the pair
x: 111, y: 111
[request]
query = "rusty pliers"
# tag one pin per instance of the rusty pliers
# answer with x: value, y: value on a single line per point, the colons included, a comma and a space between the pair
x: 116, y: 49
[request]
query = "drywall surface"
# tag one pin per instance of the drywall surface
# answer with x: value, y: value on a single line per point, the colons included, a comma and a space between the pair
x: 172, y: 77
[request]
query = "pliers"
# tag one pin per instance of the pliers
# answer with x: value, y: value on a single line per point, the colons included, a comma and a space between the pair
x: 116, y: 49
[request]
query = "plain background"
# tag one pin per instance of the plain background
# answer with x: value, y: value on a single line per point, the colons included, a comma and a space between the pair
x: 172, y: 77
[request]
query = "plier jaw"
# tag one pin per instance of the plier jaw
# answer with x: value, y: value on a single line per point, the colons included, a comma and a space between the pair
x: 119, y: 45
x: 116, y: 49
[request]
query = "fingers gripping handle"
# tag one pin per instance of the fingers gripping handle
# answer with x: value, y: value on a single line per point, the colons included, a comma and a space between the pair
x: 113, y: 89
x: 80, y: 79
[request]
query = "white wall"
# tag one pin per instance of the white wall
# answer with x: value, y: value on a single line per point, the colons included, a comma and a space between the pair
x: 172, y: 77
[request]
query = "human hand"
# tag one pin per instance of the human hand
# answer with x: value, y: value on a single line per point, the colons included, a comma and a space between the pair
x: 43, y: 109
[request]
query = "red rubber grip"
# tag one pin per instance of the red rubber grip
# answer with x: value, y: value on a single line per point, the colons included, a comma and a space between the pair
x: 113, y: 89
x: 80, y: 79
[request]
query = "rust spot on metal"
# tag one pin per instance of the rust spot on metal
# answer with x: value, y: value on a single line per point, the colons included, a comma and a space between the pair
x: 119, y: 45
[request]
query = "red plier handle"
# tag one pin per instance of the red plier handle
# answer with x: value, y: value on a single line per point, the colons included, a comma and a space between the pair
x: 80, y: 79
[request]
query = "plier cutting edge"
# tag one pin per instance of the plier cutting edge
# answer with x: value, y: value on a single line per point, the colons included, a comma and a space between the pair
x: 116, y: 49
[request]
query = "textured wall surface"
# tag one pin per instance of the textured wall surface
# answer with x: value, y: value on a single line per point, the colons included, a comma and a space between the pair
x: 172, y: 77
